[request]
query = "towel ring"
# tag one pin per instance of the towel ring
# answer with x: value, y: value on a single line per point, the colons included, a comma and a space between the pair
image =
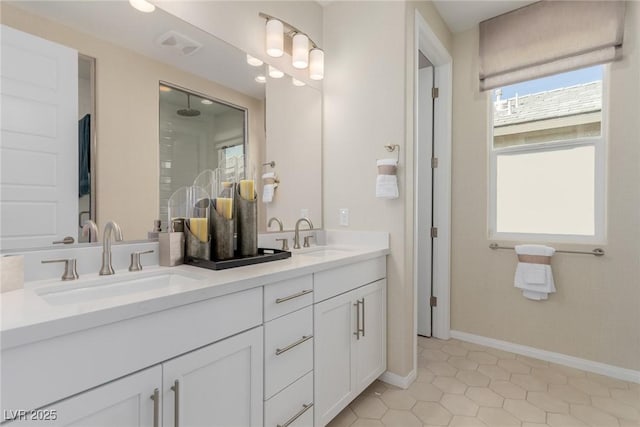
x: 391, y: 148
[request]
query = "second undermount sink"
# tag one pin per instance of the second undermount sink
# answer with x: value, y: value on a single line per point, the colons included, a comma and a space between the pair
x: 87, y: 290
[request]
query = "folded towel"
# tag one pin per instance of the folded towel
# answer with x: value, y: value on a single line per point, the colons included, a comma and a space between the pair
x: 533, y: 273
x: 269, y: 186
x: 387, y: 182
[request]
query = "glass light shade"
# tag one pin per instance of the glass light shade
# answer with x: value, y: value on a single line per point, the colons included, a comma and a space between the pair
x: 142, y: 5
x: 316, y: 64
x: 275, y: 38
x: 261, y: 79
x: 275, y: 73
x: 300, y: 51
x: 297, y: 82
x: 254, y: 62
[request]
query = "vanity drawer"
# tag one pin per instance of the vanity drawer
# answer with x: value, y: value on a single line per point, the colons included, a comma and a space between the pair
x: 287, y: 296
x: 329, y: 283
x: 288, y: 350
x: 295, y: 400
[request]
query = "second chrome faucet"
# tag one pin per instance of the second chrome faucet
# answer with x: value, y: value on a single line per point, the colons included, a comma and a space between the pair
x: 110, y: 230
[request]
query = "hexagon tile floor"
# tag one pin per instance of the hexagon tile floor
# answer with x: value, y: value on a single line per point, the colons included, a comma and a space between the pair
x: 461, y: 384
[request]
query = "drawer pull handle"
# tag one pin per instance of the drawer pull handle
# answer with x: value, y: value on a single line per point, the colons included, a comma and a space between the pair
x: 176, y: 403
x: 304, y: 338
x: 156, y: 407
x: 299, y: 294
x: 304, y: 409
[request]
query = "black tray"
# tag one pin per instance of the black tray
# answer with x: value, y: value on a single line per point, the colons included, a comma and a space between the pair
x: 272, y: 255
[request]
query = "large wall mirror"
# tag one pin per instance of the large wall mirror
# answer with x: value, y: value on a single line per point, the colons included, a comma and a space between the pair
x: 134, y: 55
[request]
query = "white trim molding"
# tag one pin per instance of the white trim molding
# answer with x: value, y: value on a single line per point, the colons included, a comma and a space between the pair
x: 550, y: 356
x: 398, y: 381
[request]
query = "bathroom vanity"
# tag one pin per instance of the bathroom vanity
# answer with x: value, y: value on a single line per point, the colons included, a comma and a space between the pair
x: 285, y: 343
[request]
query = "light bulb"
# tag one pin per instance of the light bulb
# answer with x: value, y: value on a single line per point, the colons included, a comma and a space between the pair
x: 275, y: 38
x: 275, y: 73
x: 300, y: 51
x: 316, y: 64
x: 254, y: 62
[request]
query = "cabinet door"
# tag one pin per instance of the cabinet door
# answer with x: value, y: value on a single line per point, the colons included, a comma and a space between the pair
x: 371, y: 351
x: 126, y: 402
x: 334, y: 322
x: 218, y: 385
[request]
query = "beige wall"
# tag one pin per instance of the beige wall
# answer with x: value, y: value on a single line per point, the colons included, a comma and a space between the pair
x: 127, y: 121
x: 595, y: 313
x: 368, y: 102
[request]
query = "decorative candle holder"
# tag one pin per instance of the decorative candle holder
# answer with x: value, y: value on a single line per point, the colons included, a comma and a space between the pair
x: 222, y: 231
x: 190, y: 206
x: 247, y: 215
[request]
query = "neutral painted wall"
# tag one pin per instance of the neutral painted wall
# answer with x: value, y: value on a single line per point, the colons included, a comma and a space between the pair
x: 294, y: 142
x: 368, y: 102
x: 127, y: 100
x: 595, y: 313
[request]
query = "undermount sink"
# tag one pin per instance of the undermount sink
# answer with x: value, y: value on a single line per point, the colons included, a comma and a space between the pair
x: 81, y: 291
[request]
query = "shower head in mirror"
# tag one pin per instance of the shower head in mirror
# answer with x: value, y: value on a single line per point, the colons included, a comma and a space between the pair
x: 188, y: 112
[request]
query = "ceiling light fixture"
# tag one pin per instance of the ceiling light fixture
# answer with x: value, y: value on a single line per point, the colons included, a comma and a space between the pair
x: 206, y: 102
x: 261, y: 79
x: 142, y: 5
x: 304, y: 51
x: 297, y: 82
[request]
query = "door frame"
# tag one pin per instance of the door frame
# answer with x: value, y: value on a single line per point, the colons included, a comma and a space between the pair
x: 427, y: 42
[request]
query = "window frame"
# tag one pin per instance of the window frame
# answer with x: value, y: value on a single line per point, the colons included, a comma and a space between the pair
x: 600, y: 175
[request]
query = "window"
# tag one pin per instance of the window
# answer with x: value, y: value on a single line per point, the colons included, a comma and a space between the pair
x: 547, y: 154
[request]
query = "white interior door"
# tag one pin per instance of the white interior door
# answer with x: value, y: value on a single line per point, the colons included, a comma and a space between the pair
x: 424, y: 199
x: 39, y: 144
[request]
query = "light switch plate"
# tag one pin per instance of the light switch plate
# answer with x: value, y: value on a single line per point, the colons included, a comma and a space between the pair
x: 344, y: 216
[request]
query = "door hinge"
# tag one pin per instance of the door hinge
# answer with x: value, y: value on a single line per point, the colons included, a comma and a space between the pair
x: 433, y: 301
x: 435, y: 92
x: 434, y: 232
x: 434, y: 162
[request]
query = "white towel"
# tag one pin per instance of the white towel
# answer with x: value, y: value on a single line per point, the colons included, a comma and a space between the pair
x: 535, y: 279
x: 387, y: 185
x: 268, y: 190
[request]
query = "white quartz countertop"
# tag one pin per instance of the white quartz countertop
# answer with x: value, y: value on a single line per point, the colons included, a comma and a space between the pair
x: 27, y: 317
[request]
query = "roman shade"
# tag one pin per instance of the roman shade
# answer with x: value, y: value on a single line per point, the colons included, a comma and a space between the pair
x: 549, y: 37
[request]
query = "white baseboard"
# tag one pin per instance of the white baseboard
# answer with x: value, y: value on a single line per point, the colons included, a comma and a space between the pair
x: 397, y: 380
x: 550, y: 356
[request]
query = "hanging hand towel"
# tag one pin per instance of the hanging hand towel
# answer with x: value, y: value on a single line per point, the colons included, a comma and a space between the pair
x: 533, y: 273
x: 387, y: 182
x: 269, y: 186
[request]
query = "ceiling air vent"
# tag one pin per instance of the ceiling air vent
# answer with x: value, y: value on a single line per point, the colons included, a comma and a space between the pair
x: 181, y: 43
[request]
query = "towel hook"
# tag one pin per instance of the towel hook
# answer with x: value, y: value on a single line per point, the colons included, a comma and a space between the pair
x: 391, y: 148
x: 272, y: 163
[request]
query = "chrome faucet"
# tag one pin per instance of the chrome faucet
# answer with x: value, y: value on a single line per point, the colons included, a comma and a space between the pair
x: 90, y: 229
x: 273, y: 218
x: 111, y: 229
x: 296, y: 236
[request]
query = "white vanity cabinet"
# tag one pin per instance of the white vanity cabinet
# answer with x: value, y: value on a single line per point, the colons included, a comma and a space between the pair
x: 218, y: 385
x: 288, y: 355
x: 350, y: 335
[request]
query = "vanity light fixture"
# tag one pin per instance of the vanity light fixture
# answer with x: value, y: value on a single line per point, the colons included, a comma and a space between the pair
x: 282, y: 36
x: 142, y: 5
x: 275, y: 73
x: 261, y: 79
x: 297, y: 82
x: 254, y: 62
x: 275, y: 38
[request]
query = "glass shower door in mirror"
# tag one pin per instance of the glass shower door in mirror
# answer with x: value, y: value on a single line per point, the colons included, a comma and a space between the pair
x: 196, y: 133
